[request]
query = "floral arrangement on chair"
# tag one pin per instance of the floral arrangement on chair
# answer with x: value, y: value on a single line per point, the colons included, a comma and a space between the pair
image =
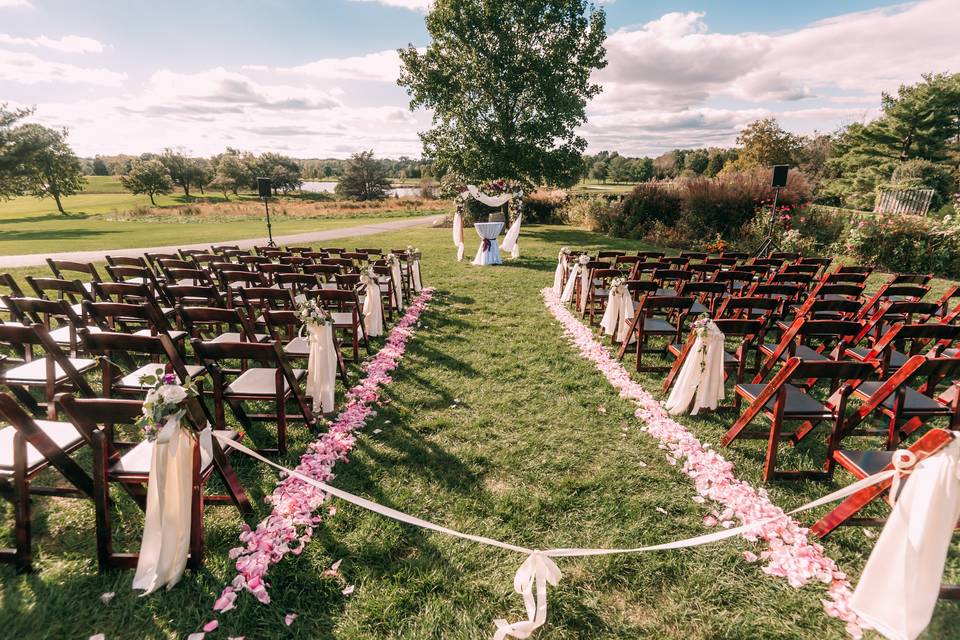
x: 165, y: 399
x: 310, y: 312
x: 617, y: 286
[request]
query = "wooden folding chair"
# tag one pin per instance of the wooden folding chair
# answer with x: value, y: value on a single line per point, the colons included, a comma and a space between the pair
x: 780, y: 401
x: 60, y: 267
x: 663, y: 316
x: 707, y: 296
x: 57, y: 317
x: 52, y: 373
x: 13, y: 290
x: 72, y: 291
x: 345, y: 313
x: 217, y: 324
x: 746, y: 334
x: 275, y: 381
x: 130, y: 468
x: 598, y: 291
x: 28, y: 447
x: 284, y: 327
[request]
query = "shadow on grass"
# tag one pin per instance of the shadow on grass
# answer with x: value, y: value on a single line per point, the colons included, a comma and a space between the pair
x: 48, y: 217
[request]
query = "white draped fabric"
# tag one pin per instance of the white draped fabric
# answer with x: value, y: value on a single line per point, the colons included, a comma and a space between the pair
x: 417, y: 280
x: 487, y: 252
x: 618, y: 314
x: 699, y: 385
x: 584, y: 288
x: 567, y: 294
x: 166, y: 529
x: 899, y: 587
x: 372, y: 307
x: 458, y: 235
x: 322, y: 366
x: 510, y: 240
x: 397, y: 276
x: 558, y: 274
x: 490, y: 201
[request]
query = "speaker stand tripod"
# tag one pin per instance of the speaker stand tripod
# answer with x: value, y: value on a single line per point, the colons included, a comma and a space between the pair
x: 768, y: 245
x: 270, y: 242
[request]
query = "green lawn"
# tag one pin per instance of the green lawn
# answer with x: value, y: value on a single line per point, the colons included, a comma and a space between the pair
x: 497, y: 427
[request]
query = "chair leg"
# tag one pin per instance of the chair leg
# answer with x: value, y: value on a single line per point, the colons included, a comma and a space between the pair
x: 23, y: 558
x: 281, y: 425
x: 101, y: 501
x: 848, y: 508
x: 196, y: 513
x: 773, y: 444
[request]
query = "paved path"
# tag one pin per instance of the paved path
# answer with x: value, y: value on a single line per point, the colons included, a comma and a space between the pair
x: 39, y: 259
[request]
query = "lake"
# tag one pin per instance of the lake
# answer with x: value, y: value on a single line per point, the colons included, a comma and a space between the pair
x: 327, y: 186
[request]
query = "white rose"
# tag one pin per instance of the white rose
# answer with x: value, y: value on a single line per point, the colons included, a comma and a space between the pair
x: 300, y: 299
x: 172, y: 393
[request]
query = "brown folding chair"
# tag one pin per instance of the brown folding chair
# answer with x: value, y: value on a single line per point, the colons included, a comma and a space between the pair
x: 13, y: 290
x: 345, y: 313
x: 746, y: 333
x: 284, y: 327
x: 60, y: 267
x: 656, y: 316
x: 28, y: 447
x: 780, y: 401
x: 862, y: 464
x: 130, y: 468
x: 56, y: 316
x: 217, y: 324
x: 275, y: 381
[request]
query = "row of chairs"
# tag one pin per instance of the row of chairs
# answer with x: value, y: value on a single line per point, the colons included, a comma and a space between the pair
x: 72, y: 357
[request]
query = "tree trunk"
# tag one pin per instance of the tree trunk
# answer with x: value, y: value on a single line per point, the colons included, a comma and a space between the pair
x: 56, y: 196
x: 201, y: 190
x: 186, y: 189
x: 152, y: 200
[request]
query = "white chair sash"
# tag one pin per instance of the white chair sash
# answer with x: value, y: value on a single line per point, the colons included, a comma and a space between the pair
x: 559, y: 272
x: 372, y: 307
x: 397, y: 284
x: 322, y: 366
x: 899, y: 587
x: 417, y: 280
x: 567, y: 294
x: 584, y: 287
x: 510, y: 240
x: 165, y: 544
x: 699, y: 385
x: 618, y: 314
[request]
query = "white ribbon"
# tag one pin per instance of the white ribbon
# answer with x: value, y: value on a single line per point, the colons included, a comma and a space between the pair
x: 397, y: 277
x: 900, y: 584
x: 417, y: 280
x: 321, y: 366
x: 372, y: 307
x: 510, y: 240
x: 903, y: 461
x: 538, y: 569
x: 699, y: 385
x: 618, y: 314
x: 584, y: 287
x: 165, y: 544
x: 567, y: 296
x: 458, y: 235
x: 559, y: 272
x: 490, y: 201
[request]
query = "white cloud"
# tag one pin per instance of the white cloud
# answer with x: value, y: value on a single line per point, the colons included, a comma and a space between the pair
x: 65, y: 44
x: 9, y: 4
x: 674, y: 69
x: 26, y: 68
x: 413, y: 5
x: 382, y: 66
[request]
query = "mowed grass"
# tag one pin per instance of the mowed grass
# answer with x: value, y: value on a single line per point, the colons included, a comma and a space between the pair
x: 494, y: 426
x: 99, y: 218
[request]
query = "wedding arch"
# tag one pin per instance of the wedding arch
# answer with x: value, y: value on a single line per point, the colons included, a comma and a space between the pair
x: 493, y: 194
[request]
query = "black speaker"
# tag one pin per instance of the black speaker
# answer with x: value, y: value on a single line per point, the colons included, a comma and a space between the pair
x: 264, y: 187
x: 780, y: 175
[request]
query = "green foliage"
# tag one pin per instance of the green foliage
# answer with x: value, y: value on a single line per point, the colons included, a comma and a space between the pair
x: 16, y: 152
x: 53, y: 170
x: 508, y: 82
x: 543, y: 206
x: 923, y: 174
x: 907, y: 244
x: 149, y: 177
x: 593, y: 213
x: 647, y: 204
x: 764, y: 143
x: 364, y: 179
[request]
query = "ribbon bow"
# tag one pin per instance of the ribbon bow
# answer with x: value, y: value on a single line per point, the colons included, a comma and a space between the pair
x: 903, y: 462
x: 485, y: 245
x: 538, y: 569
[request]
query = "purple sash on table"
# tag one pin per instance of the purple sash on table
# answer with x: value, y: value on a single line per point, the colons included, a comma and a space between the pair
x: 485, y: 245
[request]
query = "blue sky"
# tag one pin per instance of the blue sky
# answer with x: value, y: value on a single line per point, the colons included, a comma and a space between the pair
x: 317, y: 78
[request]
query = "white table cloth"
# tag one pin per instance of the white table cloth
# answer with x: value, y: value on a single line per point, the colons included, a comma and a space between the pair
x: 488, y: 252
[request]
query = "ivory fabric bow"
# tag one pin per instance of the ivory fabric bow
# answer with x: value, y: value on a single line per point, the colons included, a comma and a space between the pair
x: 537, y: 570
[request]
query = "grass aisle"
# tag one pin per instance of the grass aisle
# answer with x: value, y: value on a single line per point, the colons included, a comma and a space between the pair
x: 494, y: 426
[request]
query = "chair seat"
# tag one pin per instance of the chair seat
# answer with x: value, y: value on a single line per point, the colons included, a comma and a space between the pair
x: 863, y: 463
x: 698, y: 309
x: 656, y: 326
x: 342, y: 318
x: 259, y: 381
x: 132, y: 380
x: 35, y: 371
x: 63, y: 434
x: 798, y: 405
x: 299, y: 347
x: 61, y: 335
x: 134, y: 464
x: 897, y: 358
x: 803, y: 352
x: 234, y: 336
x: 914, y: 402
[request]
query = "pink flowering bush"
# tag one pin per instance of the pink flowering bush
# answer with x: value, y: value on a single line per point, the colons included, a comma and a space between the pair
x: 291, y: 524
x: 788, y: 553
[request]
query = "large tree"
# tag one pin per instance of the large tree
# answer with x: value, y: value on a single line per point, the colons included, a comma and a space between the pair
x: 764, y: 143
x: 508, y: 82
x: 16, y: 152
x: 365, y: 178
x: 147, y: 176
x: 54, y: 170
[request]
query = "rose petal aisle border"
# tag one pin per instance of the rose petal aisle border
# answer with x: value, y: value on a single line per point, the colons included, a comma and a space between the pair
x: 789, y: 553
x: 290, y: 525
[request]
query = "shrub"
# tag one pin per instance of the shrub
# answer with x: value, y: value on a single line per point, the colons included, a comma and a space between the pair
x: 543, y: 206
x: 593, y: 213
x: 907, y: 244
x: 923, y: 174
x: 647, y: 204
